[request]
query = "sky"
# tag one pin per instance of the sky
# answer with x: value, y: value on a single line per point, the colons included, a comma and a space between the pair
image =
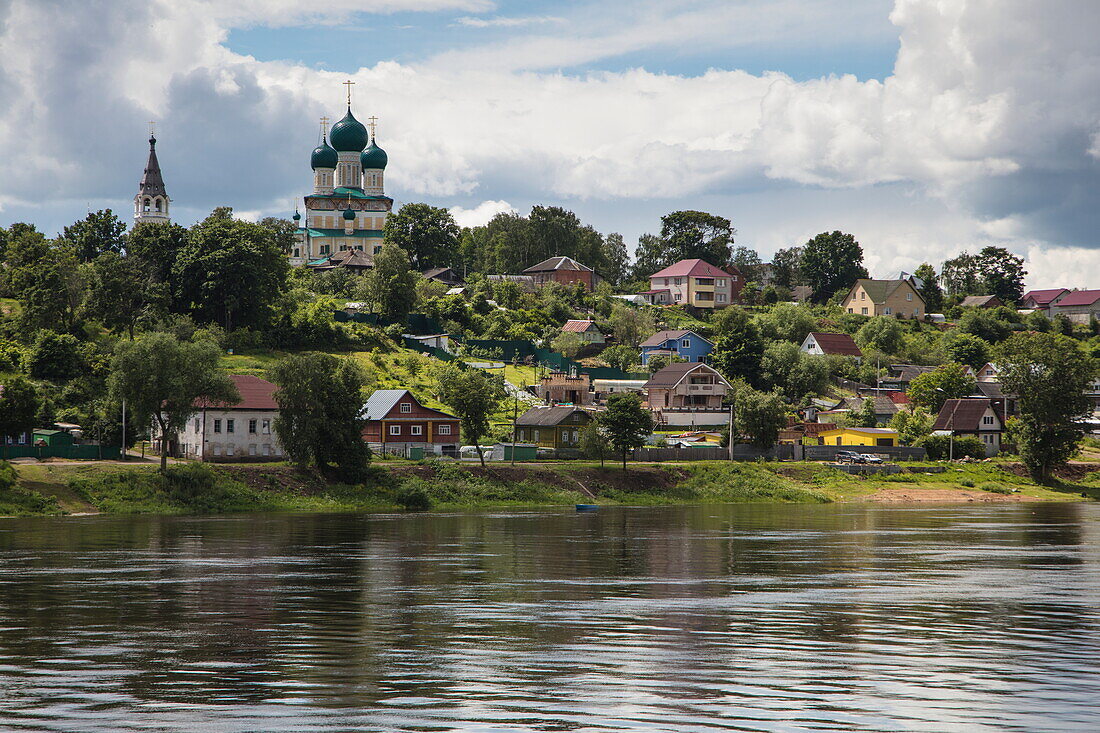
x: 923, y: 127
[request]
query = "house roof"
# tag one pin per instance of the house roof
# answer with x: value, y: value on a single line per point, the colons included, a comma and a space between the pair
x: 576, y: 326
x: 558, y: 263
x: 544, y: 416
x: 1044, y: 297
x: 694, y: 268
x: 673, y: 374
x: 836, y: 343
x: 872, y: 431
x: 883, y: 404
x: 908, y: 372
x: 444, y: 274
x: 979, y: 301
x: 659, y: 338
x: 962, y: 414
x: 653, y: 292
x: 256, y: 394
x: 382, y: 401
x: 1080, y: 297
x: 880, y: 290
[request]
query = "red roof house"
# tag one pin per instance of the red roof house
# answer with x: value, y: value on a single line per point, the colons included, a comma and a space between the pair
x: 823, y: 344
x: 1042, y: 299
x: 698, y: 283
x: 395, y: 421
x: 243, y: 431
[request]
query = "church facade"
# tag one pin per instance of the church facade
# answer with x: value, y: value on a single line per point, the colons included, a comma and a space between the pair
x: 347, y: 209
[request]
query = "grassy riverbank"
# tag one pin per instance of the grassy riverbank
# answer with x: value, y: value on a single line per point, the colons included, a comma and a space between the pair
x: 115, y: 488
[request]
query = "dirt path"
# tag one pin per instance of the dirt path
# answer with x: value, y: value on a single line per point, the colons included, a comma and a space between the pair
x: 941, y: 496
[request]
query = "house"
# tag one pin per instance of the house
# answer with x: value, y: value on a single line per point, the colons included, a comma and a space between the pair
x: 1078, y: 305
x: 845, y: 437
x: 885, y: 408
x: 395, y: 422
x: 828, y: 344
x: 355, y: 260
x: 558, y: 428
x: 884, y: 298
x: 659, y: 296
x: 587, y: 330
x: 526, y: 282
x: 802, y: 293
x: 445, y: 275
x: 241, y: 432
x: 698, y: 283
x: 563, y: 270
x: 972, y: 416
x: 605, y: 387
x: 898, y: 376
x: 687, y: 393
x: 805, y: 433
x: 989, y: 372
x: 681, y: 343
x: 558, y: 387
x: 981, y: 301
x: 1042, y: 300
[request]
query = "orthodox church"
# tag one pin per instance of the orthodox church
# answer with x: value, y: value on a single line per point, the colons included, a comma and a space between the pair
x: 348, y: 207
x: 151, y: 202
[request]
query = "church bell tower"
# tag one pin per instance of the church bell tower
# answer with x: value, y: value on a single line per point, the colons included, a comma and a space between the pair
x: 151, y: 202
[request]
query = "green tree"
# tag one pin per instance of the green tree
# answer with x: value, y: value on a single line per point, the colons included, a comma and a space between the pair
x: 54, y: 356
x: 985, y: 324
x: 747, y: 261
x: 121, y: 293
x: 320, y: 401
x: 99, y: 232
x: 18, y: 406
x: 621, y: 357
x: 696, y: 234
x: 474, y: 396
x: 931, y: 389
x: 567, y: 344
x: 631, y: 326
x: 617, y: 261
x: 930, y: 289
x: 46, y: 278
x: 965, y: 348
x: 758, y: 415
x: 161, y: 380
x: 390, y: 286
x: 882, y: 333
x: 427, y: 233
x: 912, y: 425
x: 831, y: 263
x: 626, y: 422
x: 787, y: 322
x: 1048, y: 373
x: 787, y: 267
x: 650, y: 255
x: 1002, y: 274
x: 283, y: 230
x: 865, y: 416
x: 738, y: 346
x: 784, y: 367
x: 594, y: 440
x: 230, y: 272
x: 156, y: 247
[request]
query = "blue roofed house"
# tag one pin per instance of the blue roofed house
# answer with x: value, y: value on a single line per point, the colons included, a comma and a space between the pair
x: 682, y: 343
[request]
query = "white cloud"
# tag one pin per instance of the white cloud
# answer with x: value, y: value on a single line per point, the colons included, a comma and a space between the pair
x: 508, y: 22
x: 480, y: 214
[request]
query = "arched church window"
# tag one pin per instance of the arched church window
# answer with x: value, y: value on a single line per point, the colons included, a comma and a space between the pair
x: 147, y: 203
x: 157, y: 204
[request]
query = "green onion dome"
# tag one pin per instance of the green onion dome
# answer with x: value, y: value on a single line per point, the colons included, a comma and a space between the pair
x: 297, y: 216
x: 348, y: 135
x: 374, y: 157
x: 348, y: 214
x: 324, y: 156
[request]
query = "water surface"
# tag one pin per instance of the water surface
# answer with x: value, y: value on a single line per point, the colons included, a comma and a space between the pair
x: 738, y: 618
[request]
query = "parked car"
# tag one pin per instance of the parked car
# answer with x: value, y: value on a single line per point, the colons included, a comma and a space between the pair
x: 848, y: 456
x: 868, y: 458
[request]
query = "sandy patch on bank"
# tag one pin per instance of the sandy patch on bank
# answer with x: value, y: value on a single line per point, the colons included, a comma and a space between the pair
x: 955, y: 496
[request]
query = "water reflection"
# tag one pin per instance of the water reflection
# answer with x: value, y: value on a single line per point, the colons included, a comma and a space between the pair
x: 727, y: 618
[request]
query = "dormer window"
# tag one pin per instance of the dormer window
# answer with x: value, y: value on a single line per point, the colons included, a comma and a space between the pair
x: 406, y: 407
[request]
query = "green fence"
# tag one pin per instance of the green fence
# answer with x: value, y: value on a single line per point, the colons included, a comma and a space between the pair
x: 73, y: 452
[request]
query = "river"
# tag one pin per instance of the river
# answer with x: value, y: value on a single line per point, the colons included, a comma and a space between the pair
x: 732, y: 618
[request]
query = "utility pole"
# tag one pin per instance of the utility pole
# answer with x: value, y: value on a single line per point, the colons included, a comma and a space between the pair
x: 515, y: 417
x: 123, y: 448
x: 731, y: 431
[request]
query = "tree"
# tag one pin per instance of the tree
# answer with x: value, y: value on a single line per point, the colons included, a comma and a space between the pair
x: 567, y: 343
x: 283, y: 230
x: 621, y: 357
x: 984, y: 324
x: 474, y: 396
x: 162, y: 379
x: 931, y: 389
x: 930, y: 288
x: 1048, y: 373
x: 758, y: 415
x: 882, y: 333
x: 18, y: 406
x: 747, y: 261
x: 784, y: 367
x: 787, y: 322
x: 738, y: 346
x: 831, y: 263
x: 650, y: 255
x: 99, y: 232
x: 121, y: 293
x: 594, y: 440
x: 427, y: 233
x: 156, y: 247
x: 626, y: 423
x: 391, y: 284
x: 965, y: 348
x: 230, y: 272
x: 697, y: 234
x: 47, y: 280
x: 320, y: 401
x: 631, y: 325
x: 54, y: 356
x: 787, y: 267
x: 617, y: 261
x: 912, y: 425
x: 865, y: 416
x: 1002, y: 274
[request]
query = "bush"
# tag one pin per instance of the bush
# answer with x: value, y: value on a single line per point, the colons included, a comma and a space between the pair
x: 54, y: 356
x: 186, y: 489
x: 939, y: 447
x: 413, y: 496
x: 17, y: 500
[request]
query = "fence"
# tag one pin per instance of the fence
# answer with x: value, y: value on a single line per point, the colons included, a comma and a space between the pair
x: 74, y: 452
x: 741, y: 452
x: 897, y: 453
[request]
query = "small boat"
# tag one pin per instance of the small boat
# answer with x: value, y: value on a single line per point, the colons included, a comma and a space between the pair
x: 588, y: 507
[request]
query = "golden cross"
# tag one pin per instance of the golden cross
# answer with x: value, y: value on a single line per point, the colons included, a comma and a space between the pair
x: 373, y: 121
x: 324, y: 126
x: 152, y: 128
x: 348, y: 84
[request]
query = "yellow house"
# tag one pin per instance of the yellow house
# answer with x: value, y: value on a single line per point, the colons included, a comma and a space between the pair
x: 884, y: 298
x: 883, y: 437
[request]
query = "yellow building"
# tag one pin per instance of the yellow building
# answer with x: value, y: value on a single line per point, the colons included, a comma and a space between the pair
x: 884, y: 298
x: 883, y: 437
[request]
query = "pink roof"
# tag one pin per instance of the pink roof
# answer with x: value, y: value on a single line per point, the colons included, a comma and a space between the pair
x: 1043, y: 297
x: 693, y: 268
x: 256, y: 394
x: 1080, y: 297
x: 577, y: 326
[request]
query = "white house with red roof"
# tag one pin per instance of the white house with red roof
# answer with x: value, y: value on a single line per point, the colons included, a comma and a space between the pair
x: 241, y: 432
x: 586, y: 329
x: 828, y: 344
x: 1042, y: 300
x: 1077, y: 305
x: 695, y: 282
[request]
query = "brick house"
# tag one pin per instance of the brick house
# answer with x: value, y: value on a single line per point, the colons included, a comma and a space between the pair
x: 563, y: 270
x: 697, y: 283
x: 232, y: 433
x: 558, y: 387
x: 396, y: 422
x: 558, y: 428
x: 884, y: 298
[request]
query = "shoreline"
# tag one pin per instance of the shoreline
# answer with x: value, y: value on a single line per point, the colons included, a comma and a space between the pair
x: 68, y: 488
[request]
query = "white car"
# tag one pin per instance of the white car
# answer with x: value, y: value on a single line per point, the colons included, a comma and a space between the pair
x: 868, y: 458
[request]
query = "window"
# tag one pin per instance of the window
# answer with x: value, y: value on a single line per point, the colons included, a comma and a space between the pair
x: 862, y: 295
x: 679, y: 281
x: 266, y: 427
x: 267, y: 449
x: 217, y: 449
x: 395, y: 430
x: 863, y: 311
x: 446, y: 430
x: 536, y: 436
x: 251, y: 449
x: 908, y: 296
x: 406, y: 407
x: 721, y: 297
x: 297, y: 252
x: 252, y: 427
x: 229, y: 448
x: 666, y: 281
x: 851, y: 310
x: 197, y: 425
x: 416, y: 429
x: 720, y: 283
x: 733, y: 278
x: 987, y: 420
x: 888, y: 311
x: 704, y: 281
x: 685, y: 344
x: 229, y: 425
x: 217, y: 425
